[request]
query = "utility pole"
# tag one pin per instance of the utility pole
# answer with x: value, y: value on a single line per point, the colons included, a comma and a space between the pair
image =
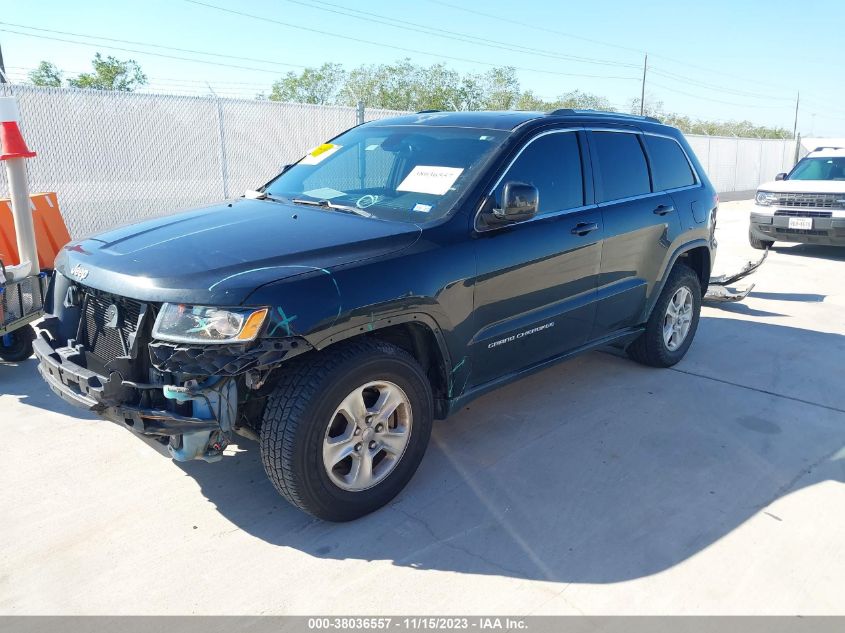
x: 642, y: 92
x: 795, y: 125
x: 3, y: 79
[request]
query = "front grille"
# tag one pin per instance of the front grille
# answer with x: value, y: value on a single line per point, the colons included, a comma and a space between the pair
x: 811, y: 200
x: 805, y: 214
x: 800, y: 231
x: 98, y: 334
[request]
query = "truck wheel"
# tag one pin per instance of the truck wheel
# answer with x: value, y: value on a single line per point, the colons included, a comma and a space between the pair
x: 17, y: 346
x: 760, y: 245
x: 344, y: 430
x: 673, y: 321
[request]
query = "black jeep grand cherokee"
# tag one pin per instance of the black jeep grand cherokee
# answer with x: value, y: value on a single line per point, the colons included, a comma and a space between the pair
x: 386, y: 279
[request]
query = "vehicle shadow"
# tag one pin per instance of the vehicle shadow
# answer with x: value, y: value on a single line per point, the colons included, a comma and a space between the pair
x: 597, y: 470
x: 742, y: 308
x: 805, y: 297
x: 836, y: 253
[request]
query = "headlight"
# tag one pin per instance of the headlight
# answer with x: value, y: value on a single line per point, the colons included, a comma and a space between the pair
x: 765, y: 198
x: 203, y: 324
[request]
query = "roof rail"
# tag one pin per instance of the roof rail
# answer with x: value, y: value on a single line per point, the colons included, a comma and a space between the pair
x: 821, y: 147
x: 428, y: 111
x: 617, y: 115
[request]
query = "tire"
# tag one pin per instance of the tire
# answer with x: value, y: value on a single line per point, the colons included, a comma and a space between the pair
x: 651, y: 347
x: 759, y: 244
x: 20, y: 347
x: 303, y: 413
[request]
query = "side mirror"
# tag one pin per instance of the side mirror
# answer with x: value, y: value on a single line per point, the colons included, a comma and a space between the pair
x: 781, y: 176
x: 520, y: 201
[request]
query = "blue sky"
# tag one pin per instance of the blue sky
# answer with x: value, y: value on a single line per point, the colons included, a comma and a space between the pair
x: 720, y: 59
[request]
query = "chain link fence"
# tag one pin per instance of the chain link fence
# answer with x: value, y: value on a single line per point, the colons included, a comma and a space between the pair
x: 115, y: 157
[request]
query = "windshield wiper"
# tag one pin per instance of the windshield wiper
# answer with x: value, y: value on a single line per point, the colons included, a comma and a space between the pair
x: 328, y: 204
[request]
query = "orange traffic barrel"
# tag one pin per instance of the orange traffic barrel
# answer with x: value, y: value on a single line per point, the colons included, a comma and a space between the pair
x: 50, y: 230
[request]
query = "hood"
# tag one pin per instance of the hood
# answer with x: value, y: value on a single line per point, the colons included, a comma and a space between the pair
x: 804, y: 186
x: 218, y: 255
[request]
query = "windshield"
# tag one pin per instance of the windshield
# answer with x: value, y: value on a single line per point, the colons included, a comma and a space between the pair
x: 406, y: 173
x: 819, y: 169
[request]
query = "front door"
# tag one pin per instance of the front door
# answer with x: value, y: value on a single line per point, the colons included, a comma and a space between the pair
x: 536, y: 283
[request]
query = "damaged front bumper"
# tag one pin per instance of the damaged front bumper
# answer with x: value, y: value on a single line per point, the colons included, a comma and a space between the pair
x: 84, y: 388
x: 199, y: 393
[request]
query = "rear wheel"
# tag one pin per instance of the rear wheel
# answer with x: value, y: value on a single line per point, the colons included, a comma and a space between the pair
x: 759, y: 244
x: 344, y: 430
x: 673, y: 321
x: 17, y: 346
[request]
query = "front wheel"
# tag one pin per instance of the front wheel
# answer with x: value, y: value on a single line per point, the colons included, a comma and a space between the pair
x: 673, y: 321
x: 17, y: 346
x: 345, y: 429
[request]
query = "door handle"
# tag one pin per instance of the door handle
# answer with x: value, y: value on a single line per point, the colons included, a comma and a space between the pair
x: 582, y: 228
x: 663, y: 209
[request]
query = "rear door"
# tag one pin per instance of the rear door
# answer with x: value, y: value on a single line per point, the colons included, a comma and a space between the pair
x: 536, y: 284
x: 640, y: 226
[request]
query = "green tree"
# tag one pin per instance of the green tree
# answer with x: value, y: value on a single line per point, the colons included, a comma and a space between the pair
x: 500, y: 87
x: 111, y: 73
x: 47, y: 75
x: 578, y: 100
x: 313, y: 85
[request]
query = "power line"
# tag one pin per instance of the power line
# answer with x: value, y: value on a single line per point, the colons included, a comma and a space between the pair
x: 695, y: 82
x: 391, y: 46
x: 602, y: 43
x: 24, y: 70
x: 539, y: 28
x: 134, y: 50
x: 732, y: 103
x: 161, y: 46
x: 452, y: 35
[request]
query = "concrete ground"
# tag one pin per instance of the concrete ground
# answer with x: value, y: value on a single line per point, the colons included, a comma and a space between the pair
x: 597, y: 487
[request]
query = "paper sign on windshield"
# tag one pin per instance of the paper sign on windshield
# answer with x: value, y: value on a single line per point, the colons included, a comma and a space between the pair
x: 430, y: 179
x: 319, y: 153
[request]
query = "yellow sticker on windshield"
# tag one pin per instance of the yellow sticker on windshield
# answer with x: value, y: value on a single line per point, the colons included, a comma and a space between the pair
x: 319, y: 153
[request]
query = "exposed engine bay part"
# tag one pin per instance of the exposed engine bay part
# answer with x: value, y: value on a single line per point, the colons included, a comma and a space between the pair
x: 719, y: 289
x: 215, y: 399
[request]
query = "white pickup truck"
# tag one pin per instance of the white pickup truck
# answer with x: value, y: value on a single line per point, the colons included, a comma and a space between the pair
x: 806, y: 205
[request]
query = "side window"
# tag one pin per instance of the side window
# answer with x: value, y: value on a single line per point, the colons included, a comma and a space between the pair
x: 622, y: 165
x: 669, y: 165
x: 552, y: 163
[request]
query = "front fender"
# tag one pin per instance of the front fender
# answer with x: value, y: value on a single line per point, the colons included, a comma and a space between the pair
x: 303, y: 303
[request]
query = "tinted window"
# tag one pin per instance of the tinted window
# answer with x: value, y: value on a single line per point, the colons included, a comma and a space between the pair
x: 622, y: 165
x: 669, y: 165
x: 552, y: 163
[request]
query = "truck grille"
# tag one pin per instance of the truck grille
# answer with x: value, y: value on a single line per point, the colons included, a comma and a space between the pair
x: 97, y: 329
x: 811, y: 200
x: 805, y: 214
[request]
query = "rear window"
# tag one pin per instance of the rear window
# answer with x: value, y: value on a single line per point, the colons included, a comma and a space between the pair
x: 670, y: 168
x: 622, y: 166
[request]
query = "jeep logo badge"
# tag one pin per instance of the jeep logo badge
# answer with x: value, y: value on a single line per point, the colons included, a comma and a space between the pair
x: 79, y: 272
